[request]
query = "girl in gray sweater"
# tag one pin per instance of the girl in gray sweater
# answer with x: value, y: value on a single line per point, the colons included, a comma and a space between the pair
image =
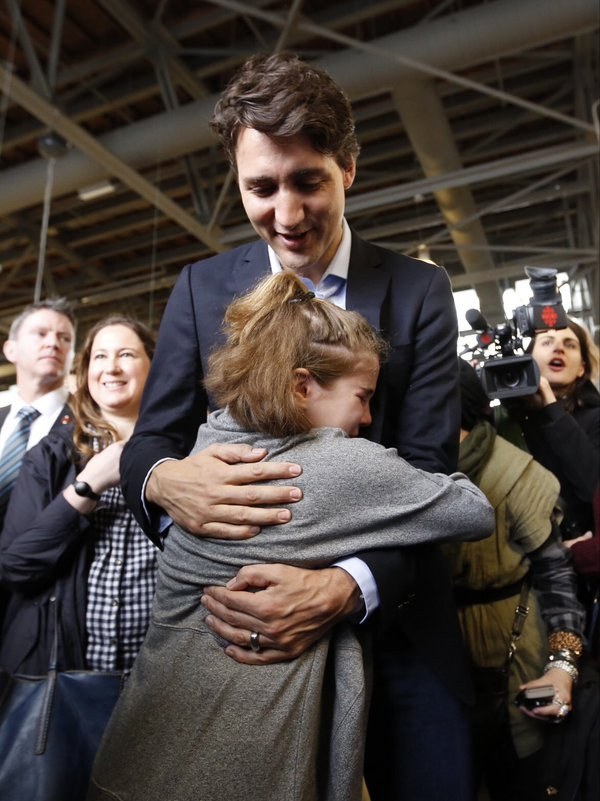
x: 295, y: 377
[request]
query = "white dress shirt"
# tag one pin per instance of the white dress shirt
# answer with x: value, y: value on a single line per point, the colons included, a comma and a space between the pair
x: 49, y: 406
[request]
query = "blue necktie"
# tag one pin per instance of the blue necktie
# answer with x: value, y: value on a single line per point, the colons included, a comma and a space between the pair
x: 14, y: 450
x: 326, y: 288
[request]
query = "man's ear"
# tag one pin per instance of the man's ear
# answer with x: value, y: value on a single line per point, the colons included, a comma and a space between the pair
x: 10, y: 350
x: 348, y: 174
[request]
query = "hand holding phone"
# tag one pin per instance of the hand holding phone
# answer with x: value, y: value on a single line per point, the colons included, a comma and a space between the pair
x: 534, y: 697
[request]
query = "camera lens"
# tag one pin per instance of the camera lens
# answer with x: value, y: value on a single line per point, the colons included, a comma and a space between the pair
x: 510, y: 378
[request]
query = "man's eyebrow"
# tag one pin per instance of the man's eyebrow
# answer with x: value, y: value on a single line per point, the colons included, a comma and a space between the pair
x: 310, y: 173
x: 302, y: 175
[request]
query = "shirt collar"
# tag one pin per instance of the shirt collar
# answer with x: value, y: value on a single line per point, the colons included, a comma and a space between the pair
x: 47, y: 404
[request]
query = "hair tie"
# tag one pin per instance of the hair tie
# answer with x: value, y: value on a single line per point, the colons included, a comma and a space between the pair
x: 304, y: 298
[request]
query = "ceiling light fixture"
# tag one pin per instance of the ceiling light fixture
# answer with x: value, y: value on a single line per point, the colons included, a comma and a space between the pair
x: 96, y: 190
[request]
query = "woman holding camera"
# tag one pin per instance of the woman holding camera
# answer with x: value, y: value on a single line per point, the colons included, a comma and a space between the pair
x: 561, y: 426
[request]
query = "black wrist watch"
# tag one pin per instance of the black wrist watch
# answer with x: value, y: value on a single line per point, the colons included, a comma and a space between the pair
x: 83, y: 489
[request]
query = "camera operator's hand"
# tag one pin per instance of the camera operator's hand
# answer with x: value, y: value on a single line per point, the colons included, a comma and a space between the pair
x: 546, y: 392
x: 543, y: 397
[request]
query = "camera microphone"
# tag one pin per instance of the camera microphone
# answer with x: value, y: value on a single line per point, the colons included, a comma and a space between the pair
x: 485, y: 334
x: 476, y: 320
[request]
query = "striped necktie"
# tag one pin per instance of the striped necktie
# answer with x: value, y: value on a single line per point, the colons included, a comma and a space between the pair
x: 14, y: 450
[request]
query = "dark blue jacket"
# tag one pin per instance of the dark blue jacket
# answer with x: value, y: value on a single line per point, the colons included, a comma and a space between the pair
x: 44, y: 554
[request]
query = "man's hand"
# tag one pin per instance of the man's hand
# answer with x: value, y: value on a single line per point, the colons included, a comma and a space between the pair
x: 293, y: 609
x: 217, y: 492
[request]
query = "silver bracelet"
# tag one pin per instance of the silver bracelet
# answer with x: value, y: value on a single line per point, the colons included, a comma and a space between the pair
x: 562, y: 664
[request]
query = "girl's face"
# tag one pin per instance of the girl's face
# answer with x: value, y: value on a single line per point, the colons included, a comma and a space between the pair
x: 118, y: 370
x: 558, y: 355
x: 345, y: 402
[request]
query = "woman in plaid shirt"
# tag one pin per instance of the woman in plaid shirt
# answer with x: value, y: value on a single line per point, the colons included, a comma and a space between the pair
x: 68, y: 538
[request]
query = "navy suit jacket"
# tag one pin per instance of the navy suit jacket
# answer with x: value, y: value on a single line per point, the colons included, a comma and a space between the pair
x: 415, y: 408
x: 63, y: 418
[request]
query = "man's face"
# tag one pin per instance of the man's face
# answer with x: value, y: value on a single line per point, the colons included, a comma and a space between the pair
x: 294, y: 197
x: 42, y: 349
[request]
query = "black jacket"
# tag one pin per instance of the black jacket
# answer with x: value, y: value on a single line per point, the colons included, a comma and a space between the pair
x: 568, y: 444
x: 44, y: 554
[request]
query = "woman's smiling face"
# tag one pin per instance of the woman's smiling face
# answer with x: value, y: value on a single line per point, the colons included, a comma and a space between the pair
x: 118, y: 370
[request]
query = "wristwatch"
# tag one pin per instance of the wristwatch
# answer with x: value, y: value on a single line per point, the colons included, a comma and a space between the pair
x: 83, y: 489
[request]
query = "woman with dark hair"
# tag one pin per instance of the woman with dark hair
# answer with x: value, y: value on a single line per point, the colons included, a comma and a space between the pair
x: 70, y: 549
x: 561, y: 424
x: 295, y: 377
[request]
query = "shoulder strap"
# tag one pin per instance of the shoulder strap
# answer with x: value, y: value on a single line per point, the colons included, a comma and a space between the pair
x: 521, y: 613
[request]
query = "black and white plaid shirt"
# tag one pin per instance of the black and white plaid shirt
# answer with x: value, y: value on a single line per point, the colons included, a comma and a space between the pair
x: 121, y: 585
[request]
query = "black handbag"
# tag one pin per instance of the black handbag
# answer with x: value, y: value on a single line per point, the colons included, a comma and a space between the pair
x: 50, y: 730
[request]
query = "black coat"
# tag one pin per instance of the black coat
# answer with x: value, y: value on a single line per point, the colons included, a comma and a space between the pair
x: 44, y: 554
x: 568, y: 444
x: 63, y: 418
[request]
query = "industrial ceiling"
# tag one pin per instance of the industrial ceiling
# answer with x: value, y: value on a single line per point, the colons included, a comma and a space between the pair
x: 478, y: 124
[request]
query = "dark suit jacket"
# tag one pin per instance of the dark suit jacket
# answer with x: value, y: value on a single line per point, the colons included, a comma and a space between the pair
x: 63, y: 417
x: 415, y: 408
x: 40, y: 522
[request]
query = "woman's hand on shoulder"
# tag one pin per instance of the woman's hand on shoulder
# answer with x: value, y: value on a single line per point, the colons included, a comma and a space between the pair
x: 102, y: 470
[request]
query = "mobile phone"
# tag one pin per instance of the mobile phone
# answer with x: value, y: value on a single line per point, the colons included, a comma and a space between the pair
x: 532, y: 697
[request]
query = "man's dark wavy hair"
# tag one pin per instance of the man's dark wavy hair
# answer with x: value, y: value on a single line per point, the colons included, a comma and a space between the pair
x: 283, y: 96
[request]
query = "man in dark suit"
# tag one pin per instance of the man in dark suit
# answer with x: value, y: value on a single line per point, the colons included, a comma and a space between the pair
x: 40, y: 344
x: 289, y: 134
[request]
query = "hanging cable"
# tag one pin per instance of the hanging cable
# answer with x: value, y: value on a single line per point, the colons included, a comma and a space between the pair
x: 51, y: 146
x: 44, y: 230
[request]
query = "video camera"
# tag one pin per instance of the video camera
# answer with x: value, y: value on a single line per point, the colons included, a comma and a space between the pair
x: 504, y: 374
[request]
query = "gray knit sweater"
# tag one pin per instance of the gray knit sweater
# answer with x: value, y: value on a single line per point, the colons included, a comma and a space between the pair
x: 192, y: 723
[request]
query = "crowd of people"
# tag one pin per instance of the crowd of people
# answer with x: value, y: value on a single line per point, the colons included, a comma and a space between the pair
x: 325, y: 566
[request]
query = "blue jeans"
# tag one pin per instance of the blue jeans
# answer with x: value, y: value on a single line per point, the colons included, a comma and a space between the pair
x: 418, y: 740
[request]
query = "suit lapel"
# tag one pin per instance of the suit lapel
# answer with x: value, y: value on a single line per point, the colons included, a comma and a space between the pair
x: 367, y: 284
x: 252, y: 265
x: 4, y: 414
x: 65, y: 417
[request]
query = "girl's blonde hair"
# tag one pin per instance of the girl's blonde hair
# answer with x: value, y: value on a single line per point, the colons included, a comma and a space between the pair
x: 272, y: 331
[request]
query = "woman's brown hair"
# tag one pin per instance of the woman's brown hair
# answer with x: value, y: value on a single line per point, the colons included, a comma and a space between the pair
x: 271, y: 332
x: 92, y: 432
